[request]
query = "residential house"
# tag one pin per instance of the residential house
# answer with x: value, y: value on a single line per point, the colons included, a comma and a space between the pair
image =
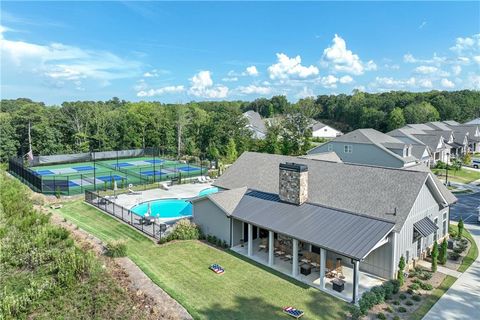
x: 255, y: 124
x: 321, y: 130
x: 338, y: 227
x: 370, y: 147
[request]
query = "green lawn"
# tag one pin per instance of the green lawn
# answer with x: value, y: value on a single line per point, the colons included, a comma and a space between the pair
x: 461, y: 176
x: 433, y: 298
x: 245, y: 291
x: 472, y: 253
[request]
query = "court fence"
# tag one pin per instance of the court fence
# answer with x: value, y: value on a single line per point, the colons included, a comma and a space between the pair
x: 150, y: 227
x: 107, y: 176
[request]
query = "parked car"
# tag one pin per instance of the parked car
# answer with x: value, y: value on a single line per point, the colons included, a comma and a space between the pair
x: 476, y: 163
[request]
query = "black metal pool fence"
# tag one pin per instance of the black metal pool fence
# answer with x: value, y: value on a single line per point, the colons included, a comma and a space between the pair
x: 151, y: 228
x: 77, y: 183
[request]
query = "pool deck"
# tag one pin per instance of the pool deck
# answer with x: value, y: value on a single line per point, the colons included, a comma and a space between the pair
x: 177, y: 191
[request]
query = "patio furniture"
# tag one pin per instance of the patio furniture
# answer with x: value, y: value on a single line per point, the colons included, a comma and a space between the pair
x: 263, y: 245
x: 338, y: 284
x: 291, y: 311
x: 305, y: 269
x: 338, y: 267
x: 307, y: 258
x: 217, y: 268
x: 330, y: 272
x: 315, y: 262
x: 131, y: 192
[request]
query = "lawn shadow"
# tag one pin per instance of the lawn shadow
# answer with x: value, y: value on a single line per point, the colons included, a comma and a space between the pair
x: 268, y: 269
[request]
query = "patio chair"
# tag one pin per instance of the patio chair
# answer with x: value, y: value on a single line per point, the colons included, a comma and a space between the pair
x: 307, y: 258
x: 199, y: 180
x: 165, y: 186
x: 263, y: 244
x: 330, y: 272
x: 207, y: 179
x: 339, y: 268
x: 131, y: 192
x: 279, y: 250
x: 315, y: 261
x: 288, y: 254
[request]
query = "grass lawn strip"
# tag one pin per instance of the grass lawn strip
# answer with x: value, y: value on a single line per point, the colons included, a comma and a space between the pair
x: 472, y: 252
x: 461, y: 176
x: 245, y: 291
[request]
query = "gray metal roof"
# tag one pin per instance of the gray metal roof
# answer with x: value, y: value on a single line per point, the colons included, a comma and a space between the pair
x: 367, y: 190
x: 324, y: 156
x: 425, y: 227
x: 474, y: 121
x: 255, y: 121
x: 349, y: 234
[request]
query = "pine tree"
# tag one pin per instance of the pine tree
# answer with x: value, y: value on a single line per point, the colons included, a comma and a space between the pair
x: 434, y: 255
x: 401, y: 266
x: 460, y: 228
x: 442, y: 255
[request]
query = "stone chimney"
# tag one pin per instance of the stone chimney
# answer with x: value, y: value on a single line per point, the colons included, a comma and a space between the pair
x: 293, y: 182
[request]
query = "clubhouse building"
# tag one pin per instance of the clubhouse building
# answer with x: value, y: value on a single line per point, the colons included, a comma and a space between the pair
x: 338, y: 227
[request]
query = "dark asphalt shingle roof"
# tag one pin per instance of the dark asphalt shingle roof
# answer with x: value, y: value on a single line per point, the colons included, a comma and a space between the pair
x: 349, y: 234
x: 367, y: 190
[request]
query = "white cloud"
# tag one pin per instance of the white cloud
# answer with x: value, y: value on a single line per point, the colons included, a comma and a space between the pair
x: 160, y: 91
x: 391, y: 83
x: 456, y: 70
x: 447, y: 83
x: 305, y: 93
x: 476, y: 59
x: 436, y: 60
x: 346, y: 79
x: 253, y: 89
x: 425, y: 83
x: 391, y: 66
x: 329, y: 81
x: 252, y: 71
x: 287, y: 68
x: 58, y: 62
x: 230, y: 79
x: 155, y: 73
x: 202, y: 86
x: 473, y: 81
x: 466, y: 44
x: 423, y: 24
x: 343, y: 60
x: 425, y: 69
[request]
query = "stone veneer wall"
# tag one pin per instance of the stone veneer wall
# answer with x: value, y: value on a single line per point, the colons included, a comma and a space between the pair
x: 293, y: 186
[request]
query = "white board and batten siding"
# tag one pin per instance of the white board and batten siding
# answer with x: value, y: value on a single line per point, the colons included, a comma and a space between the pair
x: 212, y: 220
x: 326, y: 132
x: 425, y: 206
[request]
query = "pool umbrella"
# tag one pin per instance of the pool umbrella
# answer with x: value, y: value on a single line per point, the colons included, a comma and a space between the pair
x: 149, y: 210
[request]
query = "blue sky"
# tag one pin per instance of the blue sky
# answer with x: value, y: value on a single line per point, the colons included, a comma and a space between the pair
x: 179, y: 52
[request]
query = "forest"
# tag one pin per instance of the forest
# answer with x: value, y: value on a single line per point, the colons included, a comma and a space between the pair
x: 215, y: 130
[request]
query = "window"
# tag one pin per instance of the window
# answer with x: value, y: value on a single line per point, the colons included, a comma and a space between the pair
x: 444, y: 231
x: 325, y: 130
x: 329, y: 147
x: 444, y: 216
x: 435, y: 235
x: 347, y: 148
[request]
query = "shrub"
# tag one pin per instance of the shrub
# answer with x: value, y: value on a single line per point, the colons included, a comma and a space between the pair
x: 464, y: 241
x: 426, y: 286
x: 458, y: 250
x: 427, y: 275
x: 460, y: 227
x: 434, y: 255
x: 116, y: 249
x: 219, y: 242
x: 58, y: 193
x: 409, y: 303
x: 388, y: 289
x: 382, y: 316
x: 355, y: 312
x: 416, y: 297
x: 417, y: 281
x: 410, y: 291
x: 396, y: 318
x: 209, y: 238
x: 395, y: 302
x: 414, y: 286
x: 162, y: 240
x: 396, y: 286
x: 224, y: 244
x: 452, y: 233
x: 379, y: 293
x: 440, y: 165
x: 214, y: 239
x: 388, y: 309
x: 453, y: 256
x: 401, y: 266
x: 184, y: 230
x: 367, y: 301
x: 402, y: 296
x: 402, y: 309
x: 442, y: 254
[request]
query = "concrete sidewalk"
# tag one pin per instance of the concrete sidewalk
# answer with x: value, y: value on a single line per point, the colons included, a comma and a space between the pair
x: 462, y: 300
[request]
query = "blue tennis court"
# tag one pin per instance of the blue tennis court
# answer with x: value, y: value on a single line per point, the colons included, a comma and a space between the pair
x: 109, y: 178
x: 124, y: 164
x: 44, y: 172
x: 155, y: 161
x: 151, y: 173
x: 188, y: 169
x: 84, y: 168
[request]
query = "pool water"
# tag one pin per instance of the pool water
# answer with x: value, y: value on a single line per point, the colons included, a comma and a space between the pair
x: 170, y: 208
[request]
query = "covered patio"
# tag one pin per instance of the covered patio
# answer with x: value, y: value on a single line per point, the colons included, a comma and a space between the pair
x: 317, y: 267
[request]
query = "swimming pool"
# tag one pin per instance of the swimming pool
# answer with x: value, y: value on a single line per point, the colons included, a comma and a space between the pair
x: 169, y: 208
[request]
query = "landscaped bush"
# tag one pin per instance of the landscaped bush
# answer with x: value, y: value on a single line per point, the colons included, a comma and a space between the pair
x: 427, y: 275
x: 116, y: 249
x: 381, y: 316
x: 379, y: 292
x: 402, y: 296
x: 453, y: 256
x: 416, y: 297
x: 452, y: 232
x: 388, y: 289
x: 367, y: 301
x: 417, y: 281
x: 388, y: 309
x: 402, y: 309
x: 377, y: 295
x: 458, y: 250
x: 355, y: 312
x: 414, y: 286
x: 409, y: 303
x: 395, y: 302
x: 410, y: 291
x: 396, y: 318
x: 184, y: 230
x: 426, y: 286
x: 396, y: 286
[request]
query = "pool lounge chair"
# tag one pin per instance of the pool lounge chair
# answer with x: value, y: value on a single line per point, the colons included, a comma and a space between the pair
x: 217, y: 268
x: 291, y: 311
x: 207, y: 179
x: 131, y: 192
x: 164, y: 186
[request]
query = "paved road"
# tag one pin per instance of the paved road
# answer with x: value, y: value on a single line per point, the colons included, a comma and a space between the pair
x: 462, y: 300
x: 466, y: 207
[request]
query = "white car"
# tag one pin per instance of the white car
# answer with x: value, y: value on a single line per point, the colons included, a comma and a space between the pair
x: 476, y: 163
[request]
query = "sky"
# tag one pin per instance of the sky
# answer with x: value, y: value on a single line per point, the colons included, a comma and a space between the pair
x: 180, y: 52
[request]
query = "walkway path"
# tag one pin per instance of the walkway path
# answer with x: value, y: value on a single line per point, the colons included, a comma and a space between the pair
x: 462, y: 300
x: 441, y: 269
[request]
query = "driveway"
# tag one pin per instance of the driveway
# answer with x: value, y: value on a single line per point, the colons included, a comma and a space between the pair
x: 466, y: 207
x: 462, y: 300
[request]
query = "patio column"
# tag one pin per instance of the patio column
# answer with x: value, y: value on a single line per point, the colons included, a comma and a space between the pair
x: 271, y: 244
x: 356, y: 276
x: 323, y: 258
x: 294, y: 257
x: 250, y: 240
x: 394, y: 254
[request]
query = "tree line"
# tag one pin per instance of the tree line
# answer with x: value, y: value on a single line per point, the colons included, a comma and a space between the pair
x: 215, y: 130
